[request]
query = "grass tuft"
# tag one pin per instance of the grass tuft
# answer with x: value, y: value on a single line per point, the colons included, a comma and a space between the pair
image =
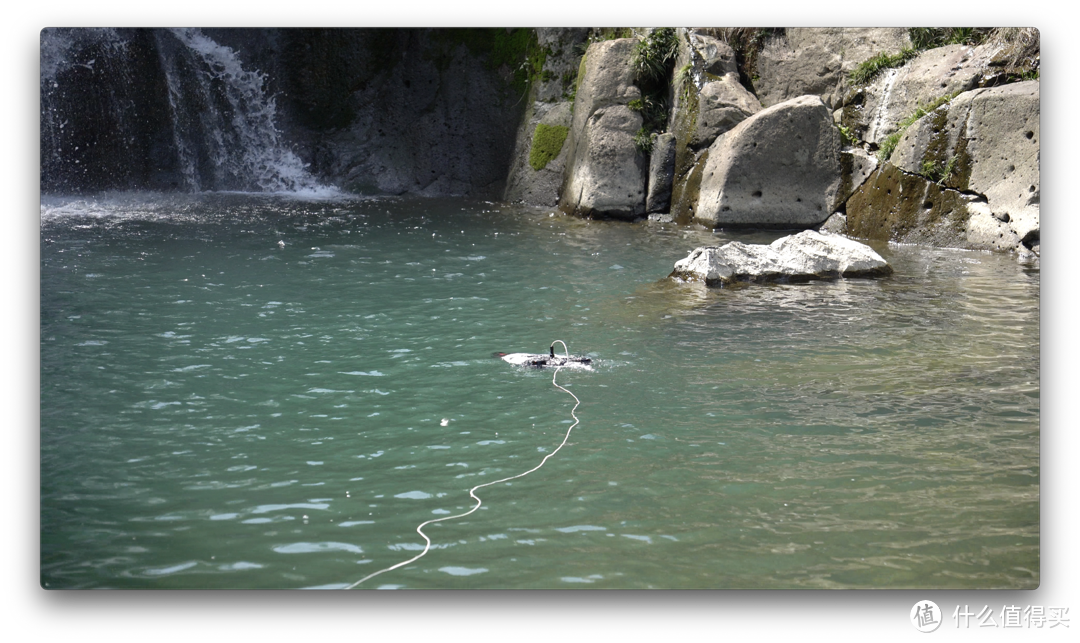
x: 869, y: 69
x: 887, y: 146
x: 653, y: 61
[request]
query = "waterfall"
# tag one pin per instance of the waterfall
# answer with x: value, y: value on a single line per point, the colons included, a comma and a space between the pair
x: 879, y: 122
x: 159, y: 109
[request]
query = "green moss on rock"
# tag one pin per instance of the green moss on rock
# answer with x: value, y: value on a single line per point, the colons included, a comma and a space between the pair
x: 547, y: 142
x: 684, y: 193
x: 897, y: 206
x: 516, y: 49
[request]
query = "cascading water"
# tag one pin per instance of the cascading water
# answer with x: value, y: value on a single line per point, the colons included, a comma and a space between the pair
x: 878, y: 123
x: 199, y: 121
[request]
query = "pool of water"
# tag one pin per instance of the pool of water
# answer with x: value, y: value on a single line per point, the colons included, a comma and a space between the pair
x: 221, y: 412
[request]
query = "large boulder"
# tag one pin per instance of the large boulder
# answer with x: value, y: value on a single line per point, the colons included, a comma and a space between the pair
x: 723, y: 103
x: 985, y: 141
x: 779, y: 168
x: 801, y: 257
x: 965, y: 175
x: 605, y: 173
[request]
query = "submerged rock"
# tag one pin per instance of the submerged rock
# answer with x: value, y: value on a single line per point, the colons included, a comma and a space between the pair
x: 800, y: 257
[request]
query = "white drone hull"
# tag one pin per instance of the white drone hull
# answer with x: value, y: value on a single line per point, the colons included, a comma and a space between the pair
x: 537, y: 360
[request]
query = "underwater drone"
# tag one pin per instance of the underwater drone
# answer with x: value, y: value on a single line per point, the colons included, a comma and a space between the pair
x: 536, y: 360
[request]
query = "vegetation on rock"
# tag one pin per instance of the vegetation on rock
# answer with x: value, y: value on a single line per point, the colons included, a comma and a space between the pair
x: 938, y: 172
x: 547, y: 142
x: 869, y: 69
x: 922, y: 38
x: 654, y: 63
x: 930, y: 37
x: 516, y: 49
x: 887, y: 146
x: 684, y: 80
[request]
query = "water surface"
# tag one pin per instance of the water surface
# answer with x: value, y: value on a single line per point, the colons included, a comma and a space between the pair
x: 220, y: 412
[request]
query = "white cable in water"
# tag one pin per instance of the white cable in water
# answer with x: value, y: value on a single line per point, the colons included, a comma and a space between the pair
x: 472, y: 492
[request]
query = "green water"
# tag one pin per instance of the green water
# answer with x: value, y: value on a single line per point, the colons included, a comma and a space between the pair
x: 219, y: 412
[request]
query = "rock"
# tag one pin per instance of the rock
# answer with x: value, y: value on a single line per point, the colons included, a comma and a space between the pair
x: 985, y: 141
x: 661, y: 173
x: 836, y: 224
x: 778, y: 168
x: 818, y: 61
x: 722, y: 104
x: 548, y: 106
x: 907, y: 208
x: 526, y: 184
x: 856, y: 166
x: 707, y: 101
x: 876, y: 110
x: 800, y: 257
x: 1003, y: 143
x: 605, y: 173
x: 554, y: 84
x: 716, y: 56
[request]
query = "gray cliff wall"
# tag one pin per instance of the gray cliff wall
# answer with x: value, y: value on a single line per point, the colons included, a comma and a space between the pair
x: 874, y: 133
x: 409, y: 111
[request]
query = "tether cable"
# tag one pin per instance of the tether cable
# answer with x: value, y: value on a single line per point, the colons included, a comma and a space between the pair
x: 472, y: 492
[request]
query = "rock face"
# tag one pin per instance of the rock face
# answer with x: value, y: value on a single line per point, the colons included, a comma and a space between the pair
x: 707, y: 100
x: 965, y: 175
x: 818, y: 61
x: 527, y: 183
x: 779, y: 168
x: 605, y: 173
x: 801, y: 257
x: 548, y: 106
x: 661, y: 174
x: 875, y: 110
x: 907, y: 208
x: 984, y: 141
x: 427, y: 126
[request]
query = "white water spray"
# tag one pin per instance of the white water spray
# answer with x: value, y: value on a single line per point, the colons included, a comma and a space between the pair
x: 229, y: 106
x: 160, y: 108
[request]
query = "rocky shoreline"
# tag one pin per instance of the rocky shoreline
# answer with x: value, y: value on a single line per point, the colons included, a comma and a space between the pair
x: 940, y: 150
x: 879, y: 134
